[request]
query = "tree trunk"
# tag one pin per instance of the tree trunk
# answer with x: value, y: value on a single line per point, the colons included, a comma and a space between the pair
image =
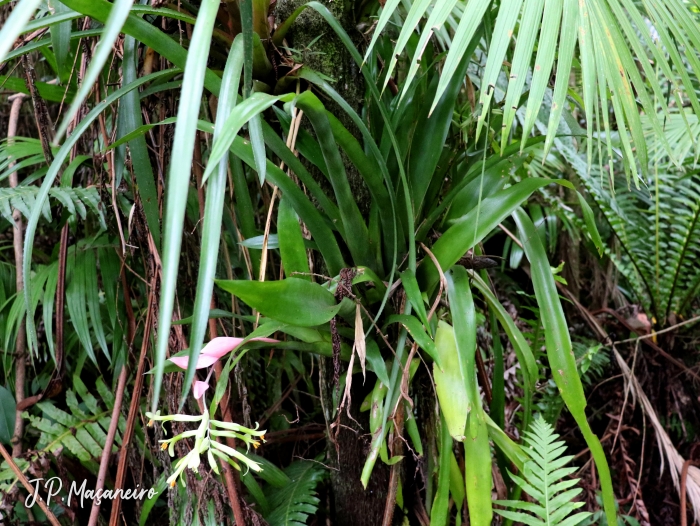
x: 352, y: 505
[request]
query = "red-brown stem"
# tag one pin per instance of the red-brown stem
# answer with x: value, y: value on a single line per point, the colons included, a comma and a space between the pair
x: 116, y: 410
x: 107, y: 451
x: 684, y: 480
x: 396, y: 446
x: 135, y: 401
x: 21, y: 340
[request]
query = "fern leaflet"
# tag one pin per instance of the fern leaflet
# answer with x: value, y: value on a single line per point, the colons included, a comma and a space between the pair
x: 542, y: 480
x: 292, y: 504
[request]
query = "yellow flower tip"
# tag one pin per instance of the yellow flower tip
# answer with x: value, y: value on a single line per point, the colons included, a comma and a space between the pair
x: 262, y: 437
x: 164, y: 446
x: 150, y: 423
x: 172, y: 483
x: 256, y: 444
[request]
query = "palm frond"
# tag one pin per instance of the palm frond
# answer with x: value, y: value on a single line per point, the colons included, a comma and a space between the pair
x: 612, y: 40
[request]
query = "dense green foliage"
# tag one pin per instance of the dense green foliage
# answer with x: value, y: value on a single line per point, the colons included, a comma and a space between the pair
x: 214, y: 208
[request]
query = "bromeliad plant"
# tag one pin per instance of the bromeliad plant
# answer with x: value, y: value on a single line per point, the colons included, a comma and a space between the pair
x: 441, y: 171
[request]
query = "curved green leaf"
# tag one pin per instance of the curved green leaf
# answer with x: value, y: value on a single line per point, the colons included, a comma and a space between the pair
x: 356, y: 234
x: 449, y: 382
x: 292, y: 249
x: 417, y: 332
x: 474, y: 226
x: 113, y: 26
x: 179, y: 179
x: 559, y: 351
x: 292, y: 300
x: 213, y: 214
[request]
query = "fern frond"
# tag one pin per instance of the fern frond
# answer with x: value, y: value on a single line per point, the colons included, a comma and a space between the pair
x: 76, y: 200
x: 292, y: 504
x: 542, y: 479
x: 83, y: 430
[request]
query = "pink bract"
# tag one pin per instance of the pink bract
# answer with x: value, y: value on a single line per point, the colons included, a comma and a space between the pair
x: 199, y: 388
x: 214, y: 350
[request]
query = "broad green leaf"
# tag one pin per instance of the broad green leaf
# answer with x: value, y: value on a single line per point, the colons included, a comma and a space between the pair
x: 449, y: 383
x: 8, y: 409
x: 292, y: 300
x: 292, y: 249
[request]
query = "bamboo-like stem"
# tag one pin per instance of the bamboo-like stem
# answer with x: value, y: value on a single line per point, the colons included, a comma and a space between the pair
x: 21, y: 340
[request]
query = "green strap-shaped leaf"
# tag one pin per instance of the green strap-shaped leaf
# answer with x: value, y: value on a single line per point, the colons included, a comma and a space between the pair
x: 12, y: 28
x: 502, y: 33
x: 544, y: 61
x: 356, y: 234
x: 60, y: 39
x: 179, y: 179
x: 292, y: 249
x: 559, y: 351
x: 439, y: 513
x: 410, y: 286
x: 417, y: 332
x: 239, y: 115
x: 113, y: 26
x: 147, y: 34
x: 591, y: 227
x: 449, y: 382
x: 130, y: 120
x: 528, y: 365
x: 477, y: 470
x: 467, y: 232
x: 464, y: 321
x: 567, y: 43
x: 213, y: 213
x: 292, y: 300
x: 321, y: 232
x: 280, y: 149
x: 468, y: 24
x: 439, y: 14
